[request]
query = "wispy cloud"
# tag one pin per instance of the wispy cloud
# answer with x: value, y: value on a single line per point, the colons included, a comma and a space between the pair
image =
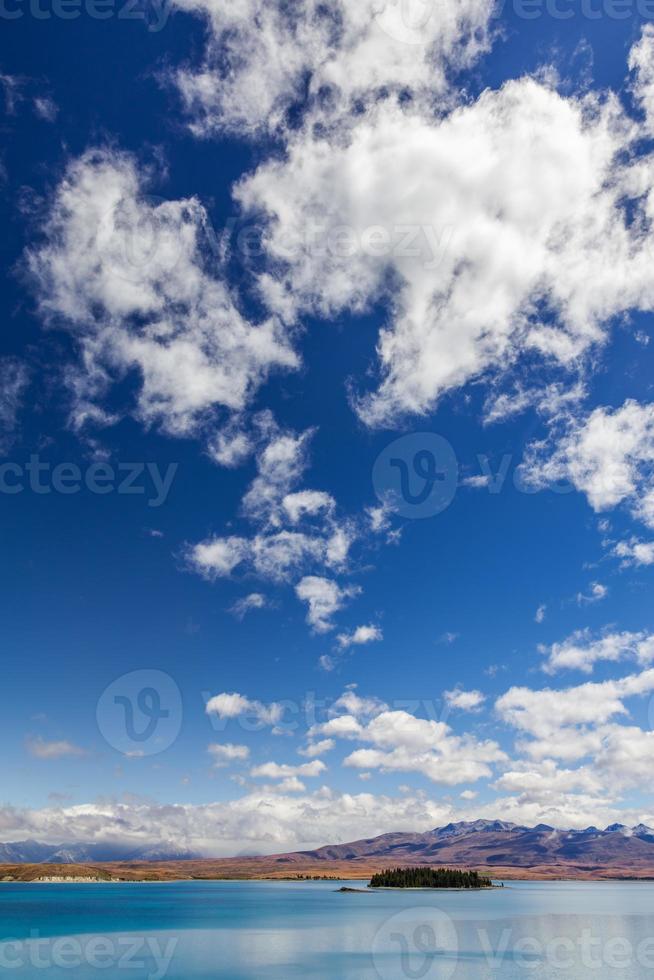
x: 42, y: 749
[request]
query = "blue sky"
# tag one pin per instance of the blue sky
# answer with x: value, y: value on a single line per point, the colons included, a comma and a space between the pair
x: 248, y: 276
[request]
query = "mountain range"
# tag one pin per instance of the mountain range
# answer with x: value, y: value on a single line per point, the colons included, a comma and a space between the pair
x: 499, y: 844
x: 36, y: 852
x: 506, y: 849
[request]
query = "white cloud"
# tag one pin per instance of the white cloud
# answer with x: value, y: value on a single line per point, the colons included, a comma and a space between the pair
x: 360, y: 636
x: 566, y: 724
x: 306, y: 502
x: 14, y: 379
x: 46, y: 108
x: 353, y: 704
x: 582, y: 650
x: 641, y: 63
x: 607, y: 455
x: 42, y: 749
x: 597, y: 593
x: 262, y: 58
x: 545, y: 777
x: 277, y: 556
x: 286, y: 554
x: 324, y: 598
x: 626, y: 757
x: 249, y: 602
x: 552, y: 401
x: 274, y: 551
x: 231, y: 446
x: 465, y: 700
x: 479, y: 482
x: 541, y: 613
x: 268, y: 822
x: 317, y: 748
x: 276, y: 770
x: 128, y: 277
x: 404, y: 743
x: 635, y: 552
x: 280, y: 464
x: 235, y: 705
x: 520, y: 242
x: 225, y: 753
x: 11, y: 86
x: 218, y: 557
x: 343, y: 726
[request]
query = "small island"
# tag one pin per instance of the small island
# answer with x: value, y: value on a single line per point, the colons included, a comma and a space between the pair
x: 429, y: 878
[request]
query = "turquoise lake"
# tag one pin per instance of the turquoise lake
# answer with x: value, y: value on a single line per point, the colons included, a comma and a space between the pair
x: 281, y: 930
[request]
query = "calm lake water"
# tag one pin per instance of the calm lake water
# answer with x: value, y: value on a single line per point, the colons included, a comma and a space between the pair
x: 254, y: 930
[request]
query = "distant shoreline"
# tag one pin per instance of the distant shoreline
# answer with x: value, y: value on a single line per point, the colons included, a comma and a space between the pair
x: 63, y: 880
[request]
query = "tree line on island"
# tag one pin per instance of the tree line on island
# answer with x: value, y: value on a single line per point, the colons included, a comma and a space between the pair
x: 429, y: 878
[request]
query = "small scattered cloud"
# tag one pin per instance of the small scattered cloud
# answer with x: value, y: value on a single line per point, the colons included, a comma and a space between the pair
x: 14, y: 379
x: 478, y: 482
x: 635, y: 552
x: 583, y: 649
x: 228, y: 706
x: 223, y: 754
x: 596, y: 594
x: 46, y: 108
x: 360, y: 636
x: 324, y: 598
x: 607, y: 455
x: 317, y: 748
x: 276, y: 770
x: 42, y: 749
x: 255, y: 600
x: 464, y: 700
x: 11, y: 88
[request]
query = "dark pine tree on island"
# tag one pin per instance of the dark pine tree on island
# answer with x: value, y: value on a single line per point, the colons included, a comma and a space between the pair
x: 429, y: 878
